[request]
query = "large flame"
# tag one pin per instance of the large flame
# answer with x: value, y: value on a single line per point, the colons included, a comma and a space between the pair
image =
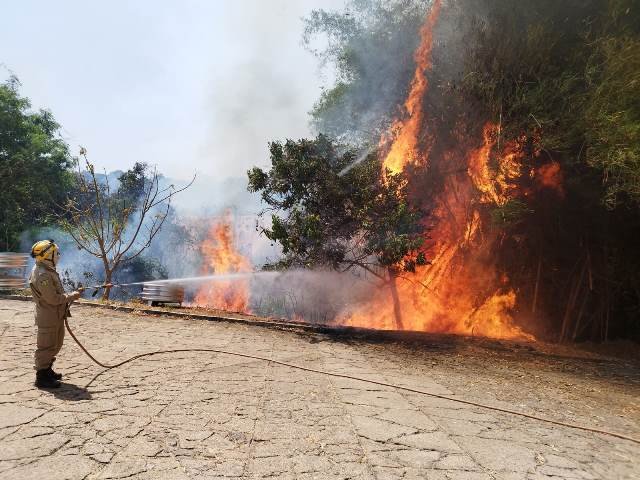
x: 221, y: 256
x: 462, y: 291
x: 405, y: 130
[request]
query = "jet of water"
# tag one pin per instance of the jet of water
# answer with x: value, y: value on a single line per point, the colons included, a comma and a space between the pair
x: 202, y: 278
x: 358, y: 160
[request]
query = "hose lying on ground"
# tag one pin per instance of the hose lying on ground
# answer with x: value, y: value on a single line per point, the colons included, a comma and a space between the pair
x: 340, y: 375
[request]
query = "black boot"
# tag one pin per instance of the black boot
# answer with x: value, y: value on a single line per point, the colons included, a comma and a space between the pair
x: 52, y: 374
x: 45, y: 380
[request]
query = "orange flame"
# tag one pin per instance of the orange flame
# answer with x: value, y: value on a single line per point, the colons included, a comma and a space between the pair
x: 221, y: 257
x: 404, y: 133
x: 550, y: 176
x: 495, y: 187
x: 462, y: 291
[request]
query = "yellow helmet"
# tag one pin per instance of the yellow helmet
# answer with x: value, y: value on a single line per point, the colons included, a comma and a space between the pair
x: 45, y: 250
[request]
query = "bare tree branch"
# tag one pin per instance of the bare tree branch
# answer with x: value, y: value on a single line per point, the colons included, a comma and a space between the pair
x: 111, y: 224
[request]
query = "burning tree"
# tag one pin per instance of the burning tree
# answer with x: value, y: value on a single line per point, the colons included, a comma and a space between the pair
x: 456, y: 166
x: 335, y: 209
x: 520, y: 130
x: 117, y: 226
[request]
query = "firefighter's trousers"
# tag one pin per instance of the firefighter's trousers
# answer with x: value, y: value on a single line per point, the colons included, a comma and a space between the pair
x: 49, y: 343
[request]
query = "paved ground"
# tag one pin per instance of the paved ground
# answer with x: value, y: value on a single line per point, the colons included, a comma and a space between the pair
x: 207, y: 416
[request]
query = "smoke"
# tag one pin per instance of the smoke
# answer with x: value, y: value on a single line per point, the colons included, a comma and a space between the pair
x: 315, y: 296
x: 74, y: 265
x: 176, y: 252
x: 211, y: 196
x: 371, y: 44
x: 320, y: 297
x: 264, y: 91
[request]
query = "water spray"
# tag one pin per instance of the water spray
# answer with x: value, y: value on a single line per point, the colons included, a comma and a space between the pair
x: 169, y: 281
x: 363, y: 155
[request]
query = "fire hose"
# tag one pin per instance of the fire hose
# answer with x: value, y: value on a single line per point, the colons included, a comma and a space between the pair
x: 350, y: 377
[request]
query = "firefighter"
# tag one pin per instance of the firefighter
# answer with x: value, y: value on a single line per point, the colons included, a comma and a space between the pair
x: 52, y: 307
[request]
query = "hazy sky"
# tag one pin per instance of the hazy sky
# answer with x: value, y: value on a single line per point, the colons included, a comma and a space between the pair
x: 187, y: 85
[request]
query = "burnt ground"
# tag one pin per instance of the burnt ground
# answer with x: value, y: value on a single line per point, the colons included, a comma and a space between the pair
x: 216, y: 416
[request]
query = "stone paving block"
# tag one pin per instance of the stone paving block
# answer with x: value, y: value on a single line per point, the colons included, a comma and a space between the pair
x: 71, y: 467
x: 438, y: 441
x: 12, y: 415
x: 499, y: 455
x: 379, y: 430
x: 41, y: 446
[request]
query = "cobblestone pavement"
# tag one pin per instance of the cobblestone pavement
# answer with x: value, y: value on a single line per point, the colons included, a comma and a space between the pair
x: 214, y: 416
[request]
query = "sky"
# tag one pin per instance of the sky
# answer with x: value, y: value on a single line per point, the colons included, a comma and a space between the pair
x: 195, y: 86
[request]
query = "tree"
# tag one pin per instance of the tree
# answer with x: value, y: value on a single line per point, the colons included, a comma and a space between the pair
x: 354, y: 220
x: 117, y: 226
x: 35, y: 166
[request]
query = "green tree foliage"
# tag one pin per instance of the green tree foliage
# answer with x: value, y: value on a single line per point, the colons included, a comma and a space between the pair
x: 35, y: 166
x: 353, y: 220
x: 612, y: 110
x: 132, y: 183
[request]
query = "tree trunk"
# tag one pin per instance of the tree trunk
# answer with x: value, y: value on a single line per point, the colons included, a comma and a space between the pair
x: 107, y: 279
x: 535, y: 290
x: 397, y: 311
x: 574, y: 293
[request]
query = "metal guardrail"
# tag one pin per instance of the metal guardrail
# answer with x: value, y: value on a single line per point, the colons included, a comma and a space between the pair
x: 13, y: 270
x: 157, y: 293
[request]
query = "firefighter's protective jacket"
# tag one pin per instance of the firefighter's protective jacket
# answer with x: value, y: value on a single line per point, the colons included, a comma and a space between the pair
x: 52, y: 303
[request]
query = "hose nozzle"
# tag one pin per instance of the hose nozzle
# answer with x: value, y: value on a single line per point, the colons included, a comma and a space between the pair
x: 100, y: 287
